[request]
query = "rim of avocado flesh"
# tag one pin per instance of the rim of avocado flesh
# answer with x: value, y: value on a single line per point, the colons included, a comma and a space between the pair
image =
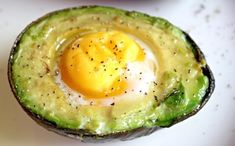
x: 160, y: 110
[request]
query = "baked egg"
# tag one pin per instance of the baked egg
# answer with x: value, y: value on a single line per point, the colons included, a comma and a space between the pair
x: 102, y: 68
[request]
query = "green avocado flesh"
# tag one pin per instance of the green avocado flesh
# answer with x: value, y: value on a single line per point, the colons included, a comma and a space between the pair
x: 178, y: 90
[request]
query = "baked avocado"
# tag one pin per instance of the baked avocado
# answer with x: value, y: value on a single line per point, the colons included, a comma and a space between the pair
x: 99, y: 73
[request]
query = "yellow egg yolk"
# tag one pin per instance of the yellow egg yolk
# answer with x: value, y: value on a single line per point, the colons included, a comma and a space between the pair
x: 94, y: 64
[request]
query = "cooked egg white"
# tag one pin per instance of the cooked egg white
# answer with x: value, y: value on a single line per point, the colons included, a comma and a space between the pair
x: 103, y: 68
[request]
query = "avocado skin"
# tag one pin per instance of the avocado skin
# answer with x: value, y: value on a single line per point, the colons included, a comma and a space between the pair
x: 86, y: 136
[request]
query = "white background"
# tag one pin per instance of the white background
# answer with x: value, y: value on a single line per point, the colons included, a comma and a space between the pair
x: 211, y: 23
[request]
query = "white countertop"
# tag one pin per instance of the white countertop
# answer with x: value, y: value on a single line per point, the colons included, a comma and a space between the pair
x: 211, y: 23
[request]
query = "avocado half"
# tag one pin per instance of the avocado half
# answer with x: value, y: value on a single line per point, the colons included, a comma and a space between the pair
x: 175, y: 106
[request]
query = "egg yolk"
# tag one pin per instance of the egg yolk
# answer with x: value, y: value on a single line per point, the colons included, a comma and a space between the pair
x: 94, y: 64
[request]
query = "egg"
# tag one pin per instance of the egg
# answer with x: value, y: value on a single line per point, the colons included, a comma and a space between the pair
x: 103, y: 68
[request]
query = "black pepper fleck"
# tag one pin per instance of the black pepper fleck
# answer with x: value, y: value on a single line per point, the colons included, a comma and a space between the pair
x: 155, y: 83
x: 199, y: 9
x: 189, y: 71
x: 155, y: 97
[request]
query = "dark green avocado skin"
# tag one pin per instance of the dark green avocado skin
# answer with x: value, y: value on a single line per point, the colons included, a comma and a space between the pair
x: 86, y: 136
